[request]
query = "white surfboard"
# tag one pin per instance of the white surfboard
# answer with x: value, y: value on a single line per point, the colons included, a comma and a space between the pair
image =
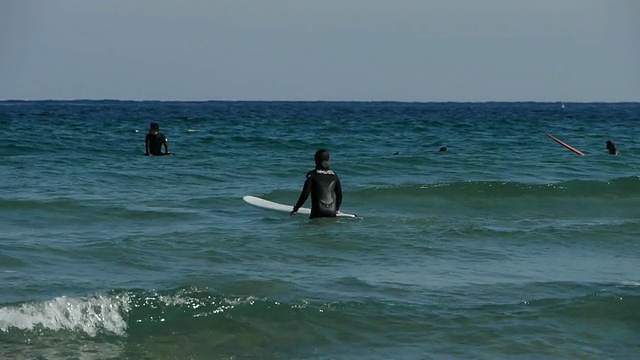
x: 270, y: 205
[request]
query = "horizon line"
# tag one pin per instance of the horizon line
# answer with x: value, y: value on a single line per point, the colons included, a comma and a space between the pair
x: 335, y: 101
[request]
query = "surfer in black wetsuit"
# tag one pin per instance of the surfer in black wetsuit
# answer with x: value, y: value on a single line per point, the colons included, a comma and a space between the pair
x: 154, y: 141
x: 612, y: 148
x: 324, y: 186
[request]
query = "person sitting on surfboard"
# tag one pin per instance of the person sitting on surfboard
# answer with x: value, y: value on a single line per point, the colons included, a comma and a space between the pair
x: 324, y: 186
x: 612, y: 148
x: 154, y: 141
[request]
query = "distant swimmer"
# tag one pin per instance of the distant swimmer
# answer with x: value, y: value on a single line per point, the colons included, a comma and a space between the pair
x: 443, y: 149
x: 612, y: 148
x: 324, y: 186
x: 154, y: 141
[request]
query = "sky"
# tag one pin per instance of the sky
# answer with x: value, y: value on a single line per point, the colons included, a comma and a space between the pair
x: 362, y: 50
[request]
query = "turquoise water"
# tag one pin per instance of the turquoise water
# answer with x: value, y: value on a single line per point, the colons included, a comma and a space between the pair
x: 508, y: 245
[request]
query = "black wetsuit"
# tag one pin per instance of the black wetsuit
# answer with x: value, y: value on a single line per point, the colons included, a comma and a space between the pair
x: 326, y: 193
x: 155, y: 143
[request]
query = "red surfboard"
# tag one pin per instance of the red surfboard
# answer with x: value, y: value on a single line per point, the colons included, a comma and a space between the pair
x: 565, y: 145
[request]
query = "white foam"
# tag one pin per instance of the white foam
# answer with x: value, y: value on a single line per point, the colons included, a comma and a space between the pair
x: 86, y: 314
x: 223, y: 304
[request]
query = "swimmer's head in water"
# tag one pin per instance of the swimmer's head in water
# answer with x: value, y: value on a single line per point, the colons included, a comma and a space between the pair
x: 611, y: 147
x: 322, y: 159
x: 154, y: 127
x: 443, y: 149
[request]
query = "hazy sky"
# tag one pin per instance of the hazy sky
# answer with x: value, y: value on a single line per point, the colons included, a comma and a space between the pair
x: 406, y: 50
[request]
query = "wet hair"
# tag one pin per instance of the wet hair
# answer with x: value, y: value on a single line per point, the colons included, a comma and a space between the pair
x: 154, y: 126
x: 322, y: 159
x: 443, y: 149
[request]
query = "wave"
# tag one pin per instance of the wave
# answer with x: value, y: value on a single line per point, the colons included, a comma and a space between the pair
x: 150, y: 324
x: 628, y: 187
x: 94, y: 206
x: 131, y: 312
x: 122, y: 312
x: 90, y: 315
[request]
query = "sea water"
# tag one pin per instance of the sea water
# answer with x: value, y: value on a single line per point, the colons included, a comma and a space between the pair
x: 506, y: 245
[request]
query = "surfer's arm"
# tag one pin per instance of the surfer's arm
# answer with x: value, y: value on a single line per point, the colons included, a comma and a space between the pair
x: 166, y: 147
x: 338, y: 194
x: 306, y: 190
x: 146, y: 146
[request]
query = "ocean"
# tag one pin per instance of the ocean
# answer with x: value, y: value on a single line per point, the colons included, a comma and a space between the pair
x: 507, y: 245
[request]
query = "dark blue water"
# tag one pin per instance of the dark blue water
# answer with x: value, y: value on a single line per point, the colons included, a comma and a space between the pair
x: 507, y: 245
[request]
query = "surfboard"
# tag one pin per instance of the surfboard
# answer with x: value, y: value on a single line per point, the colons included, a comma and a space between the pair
x: 564, y: 144
x: 270, y: 205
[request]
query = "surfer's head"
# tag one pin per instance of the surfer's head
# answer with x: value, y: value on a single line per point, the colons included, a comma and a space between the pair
x: 154, y: 127
x: 443, y: 149
x: 611, y: 147
x: 322, y: 159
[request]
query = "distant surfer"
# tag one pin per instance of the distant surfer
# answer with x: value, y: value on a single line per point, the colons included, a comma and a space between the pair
x: 154, y: 141
x: 324, y: 186
x: 443, y: 149
x: 612, y: 148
